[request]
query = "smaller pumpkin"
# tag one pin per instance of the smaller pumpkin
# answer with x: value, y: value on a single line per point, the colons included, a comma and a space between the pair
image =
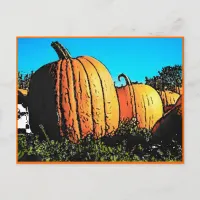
x: 23, y: 91
x: 170, y: 125
x: 139, y: 101
x: 179, y: 90
x: 22, y: 98
x: 169, y: 98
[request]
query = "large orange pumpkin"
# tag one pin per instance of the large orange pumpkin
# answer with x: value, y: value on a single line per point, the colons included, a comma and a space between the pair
x: 169, y: 98
x: 140, y: 101
x: 80, y: 91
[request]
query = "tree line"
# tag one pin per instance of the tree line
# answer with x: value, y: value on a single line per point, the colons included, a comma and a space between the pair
x: 169, y: 78
x: 24, y: 80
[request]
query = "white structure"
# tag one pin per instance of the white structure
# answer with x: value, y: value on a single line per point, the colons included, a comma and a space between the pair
x: 23, y: 120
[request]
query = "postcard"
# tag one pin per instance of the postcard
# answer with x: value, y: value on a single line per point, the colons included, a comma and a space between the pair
x: 100, y: 100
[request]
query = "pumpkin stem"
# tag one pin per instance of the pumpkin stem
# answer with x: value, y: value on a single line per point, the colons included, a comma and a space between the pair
x: 128, y: 82
x: 60, y: 50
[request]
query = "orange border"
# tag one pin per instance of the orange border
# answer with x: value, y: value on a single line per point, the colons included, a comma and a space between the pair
x: 68, y: 162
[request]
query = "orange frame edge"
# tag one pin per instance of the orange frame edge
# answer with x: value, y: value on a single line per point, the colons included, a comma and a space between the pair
x: 136, y: 162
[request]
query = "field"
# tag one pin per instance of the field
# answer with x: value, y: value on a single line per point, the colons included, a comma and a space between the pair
x: 129, y: 144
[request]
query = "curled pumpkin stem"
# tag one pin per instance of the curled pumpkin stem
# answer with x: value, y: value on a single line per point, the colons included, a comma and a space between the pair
x: 62, y: 52
x: 128, y: 81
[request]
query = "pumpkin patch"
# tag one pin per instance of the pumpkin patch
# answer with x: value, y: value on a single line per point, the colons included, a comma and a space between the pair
x: 73, y: 107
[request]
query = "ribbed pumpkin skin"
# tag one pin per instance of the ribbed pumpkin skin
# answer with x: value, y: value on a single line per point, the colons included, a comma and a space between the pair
x: 168, y: 98
x: 85, y: 97
x: 81, y: 92
x: 140, y: 101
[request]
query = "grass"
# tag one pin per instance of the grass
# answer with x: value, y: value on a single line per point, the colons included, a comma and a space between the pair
x: 128, y: 144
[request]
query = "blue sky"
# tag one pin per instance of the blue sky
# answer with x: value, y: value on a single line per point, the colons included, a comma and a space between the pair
x: 135, y: 57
